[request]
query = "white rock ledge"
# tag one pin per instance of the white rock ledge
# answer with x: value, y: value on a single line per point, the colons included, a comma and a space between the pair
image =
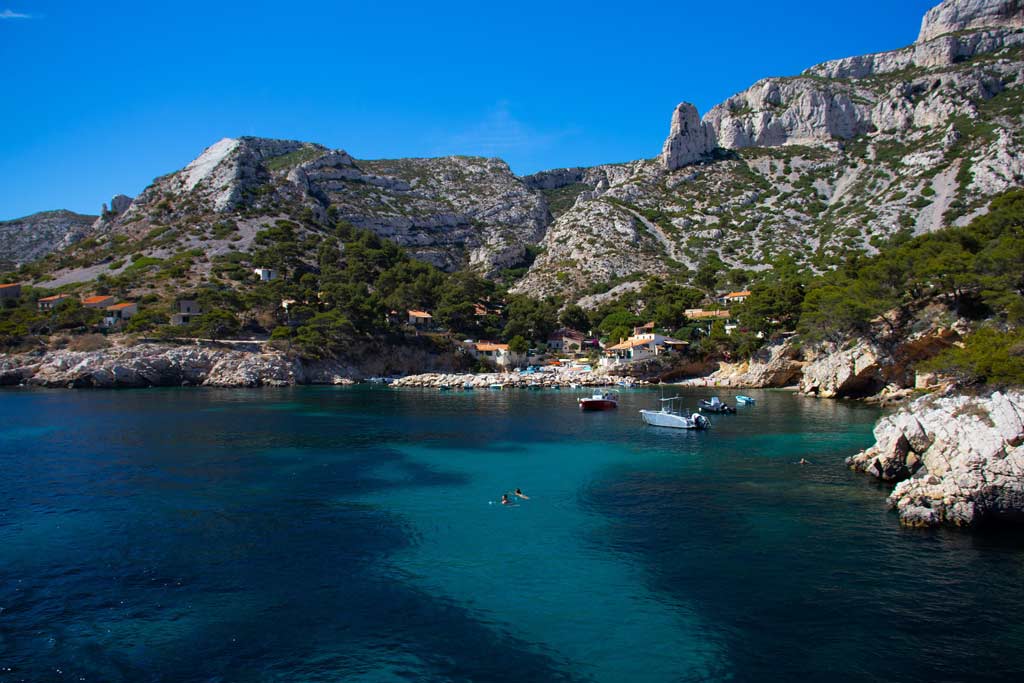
x: 959, y: 459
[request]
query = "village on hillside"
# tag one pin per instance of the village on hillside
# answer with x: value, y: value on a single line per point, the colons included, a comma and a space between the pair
x: 100, y: 313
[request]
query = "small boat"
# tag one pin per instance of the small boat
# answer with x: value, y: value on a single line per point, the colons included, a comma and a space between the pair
x: 444, y: 387
x: 671, y: 416
x: 715, y: 405
x: 745, y: 400
x: 496, y: 385
x: 600, y: 401
x: 467, y: 386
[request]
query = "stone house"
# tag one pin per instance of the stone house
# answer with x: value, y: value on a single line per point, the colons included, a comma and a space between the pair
x: 48, y: 303
x: 187, y: 311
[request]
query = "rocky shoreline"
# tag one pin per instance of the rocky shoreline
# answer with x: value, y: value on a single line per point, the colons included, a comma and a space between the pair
x: 959, y: 460
x: 559, y: 378
x: 160, y: 365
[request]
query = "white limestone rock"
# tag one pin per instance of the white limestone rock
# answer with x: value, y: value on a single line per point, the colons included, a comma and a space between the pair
x: 689, y: 138
x: 960, y: 15
x: 835, y: 372
x: 801, y: 111
x: 960, y: 459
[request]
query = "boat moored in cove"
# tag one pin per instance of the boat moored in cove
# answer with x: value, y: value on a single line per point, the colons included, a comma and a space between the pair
x: 601, y: 400
x: 715, y: 405
x: 745, y: 400
x: 672, y: 416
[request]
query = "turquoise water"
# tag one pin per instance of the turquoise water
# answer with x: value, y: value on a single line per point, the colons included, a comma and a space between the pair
x: 323, y: 534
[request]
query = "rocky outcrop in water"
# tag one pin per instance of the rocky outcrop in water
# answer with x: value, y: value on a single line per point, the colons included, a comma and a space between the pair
x: 959, y: 459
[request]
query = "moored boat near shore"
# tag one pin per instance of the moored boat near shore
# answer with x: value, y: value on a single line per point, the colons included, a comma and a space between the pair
x: 671, y: 415
x: 715, y: 405
x: 600, y: 400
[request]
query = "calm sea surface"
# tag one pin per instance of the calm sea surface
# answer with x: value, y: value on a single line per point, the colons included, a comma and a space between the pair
x: 323, y: 534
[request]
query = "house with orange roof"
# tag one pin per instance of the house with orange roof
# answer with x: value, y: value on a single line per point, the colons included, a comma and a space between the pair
x: 701, y: 314
x: 48, y: 303
x: 734, y: 297
x: 123, y: 310
x: 499, y: 354
x: 641, y: 347
x: 118, y: 313
x: 98, y: 301
x: 420, y: 319
x: 10, y: 292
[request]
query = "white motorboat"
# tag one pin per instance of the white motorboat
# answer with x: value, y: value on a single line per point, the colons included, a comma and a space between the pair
x: 671, y: 416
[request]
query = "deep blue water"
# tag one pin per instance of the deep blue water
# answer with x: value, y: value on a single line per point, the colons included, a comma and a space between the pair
x: 322, y: 534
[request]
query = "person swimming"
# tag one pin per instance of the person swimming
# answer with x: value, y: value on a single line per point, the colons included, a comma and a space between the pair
x: 505, y: 500
x: 519, y: 494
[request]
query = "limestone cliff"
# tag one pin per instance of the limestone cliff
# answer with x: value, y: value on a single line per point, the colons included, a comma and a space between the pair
x: 961, y: 15
x: 841, y: 157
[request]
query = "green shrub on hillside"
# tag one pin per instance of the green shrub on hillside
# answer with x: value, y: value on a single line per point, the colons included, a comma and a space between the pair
x: 988, y: 356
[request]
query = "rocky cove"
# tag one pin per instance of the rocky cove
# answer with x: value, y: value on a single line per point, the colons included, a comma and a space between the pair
x: 956, y: 460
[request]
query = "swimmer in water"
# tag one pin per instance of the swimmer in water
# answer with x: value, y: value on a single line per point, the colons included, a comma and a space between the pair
x: 804, y: 461
x: 519, y: 494
x: 505, y: 500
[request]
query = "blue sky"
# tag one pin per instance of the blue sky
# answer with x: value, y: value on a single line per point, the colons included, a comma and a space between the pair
x: 99, y: 98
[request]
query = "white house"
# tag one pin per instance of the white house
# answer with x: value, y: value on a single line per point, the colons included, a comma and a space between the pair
x: 265, y: 274
x: 499, y: 354
x: 641, y: 347
x: 120, y: 312
x: 420, y: 319
x: 123, y: 310
x: 734, y: 297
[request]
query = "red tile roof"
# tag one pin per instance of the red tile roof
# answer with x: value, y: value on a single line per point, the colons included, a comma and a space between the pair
x: 56, y: 297
x: 13, y: 284
x: 117, y: 307
x: 96, y: 299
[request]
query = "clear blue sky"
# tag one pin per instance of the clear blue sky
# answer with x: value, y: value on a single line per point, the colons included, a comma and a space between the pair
x: 100, y: 97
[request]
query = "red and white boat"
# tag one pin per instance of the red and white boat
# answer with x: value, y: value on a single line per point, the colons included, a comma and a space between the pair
x: 600, y: 401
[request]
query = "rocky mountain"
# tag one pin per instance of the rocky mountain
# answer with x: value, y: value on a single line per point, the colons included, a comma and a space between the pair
x: 26, y: 239
x: 839, y: 158
x: 453, y: 211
